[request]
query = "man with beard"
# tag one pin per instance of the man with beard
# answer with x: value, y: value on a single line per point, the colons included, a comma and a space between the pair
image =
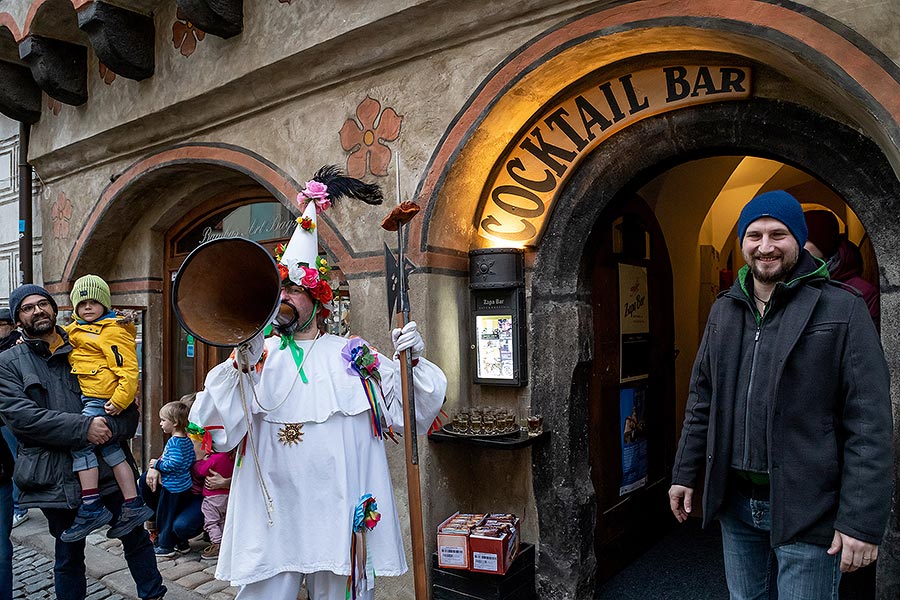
x: 789, y: 412
x: 8, y: 338
x: 309, y: 413
x: 40, y: 400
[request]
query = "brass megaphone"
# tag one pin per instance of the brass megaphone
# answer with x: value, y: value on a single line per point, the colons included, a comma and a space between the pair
x: 226, y: 291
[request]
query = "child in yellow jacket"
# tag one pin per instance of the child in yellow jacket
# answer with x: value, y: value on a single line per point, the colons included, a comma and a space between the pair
x: 104, y: 357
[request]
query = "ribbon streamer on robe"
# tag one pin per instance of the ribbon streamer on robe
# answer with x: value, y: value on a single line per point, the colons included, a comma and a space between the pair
x: 287, y: 341
x: 363, y: 362
x: 365, y: 518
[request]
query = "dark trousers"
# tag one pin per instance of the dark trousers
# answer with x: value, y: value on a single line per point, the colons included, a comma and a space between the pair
x: 6, y: 549
x: 69, y: 571
x: 186, y: 523
x: 168, y: 508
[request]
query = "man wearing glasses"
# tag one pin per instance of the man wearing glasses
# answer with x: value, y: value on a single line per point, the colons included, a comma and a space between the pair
x: 40, y: 401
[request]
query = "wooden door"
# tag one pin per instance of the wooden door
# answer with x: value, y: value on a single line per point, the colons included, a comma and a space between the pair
x: 249, y: 215
x: 631, y: 397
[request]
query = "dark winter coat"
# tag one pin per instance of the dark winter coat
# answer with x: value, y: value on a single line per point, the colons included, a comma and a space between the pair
x: 41, y: 402
x: 7, y: 461
x: 9, y: 341
x: 846, y: 266
x: 829, y: 423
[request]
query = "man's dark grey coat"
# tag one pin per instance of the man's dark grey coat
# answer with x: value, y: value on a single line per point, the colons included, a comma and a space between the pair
x: 829, y: 424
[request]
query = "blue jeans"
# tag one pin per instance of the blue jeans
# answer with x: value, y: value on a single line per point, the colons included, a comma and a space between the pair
x: 13, y: 444
x: 756, y: 571
x: 188, y: 517
x: 68, y: 569
x: 85, y: 458
x: 6, y: 549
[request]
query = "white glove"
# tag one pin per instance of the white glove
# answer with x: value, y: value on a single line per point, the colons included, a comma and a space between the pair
x: 410, y: 339
x: 249, y: 353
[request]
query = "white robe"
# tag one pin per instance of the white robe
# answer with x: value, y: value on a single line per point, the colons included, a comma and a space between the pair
x: 315, y: 484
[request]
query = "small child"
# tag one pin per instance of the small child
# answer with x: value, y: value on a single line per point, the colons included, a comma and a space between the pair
x: 174, y: 467
x: 104, y: 358
x: 215, y: 501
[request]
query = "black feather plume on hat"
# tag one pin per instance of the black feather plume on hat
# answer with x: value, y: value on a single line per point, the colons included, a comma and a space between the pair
x: 340, y: 185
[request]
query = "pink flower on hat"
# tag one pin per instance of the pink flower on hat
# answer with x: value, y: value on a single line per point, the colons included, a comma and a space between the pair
x: 310, y: 277
x: 318, y: 192
x: 315, y: 189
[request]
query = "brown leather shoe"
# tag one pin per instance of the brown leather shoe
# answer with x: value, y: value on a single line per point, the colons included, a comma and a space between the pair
x: 211, y: 552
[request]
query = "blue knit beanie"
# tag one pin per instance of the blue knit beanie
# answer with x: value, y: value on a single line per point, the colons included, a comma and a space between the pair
x: 23, y: 291
x: 779, y: 205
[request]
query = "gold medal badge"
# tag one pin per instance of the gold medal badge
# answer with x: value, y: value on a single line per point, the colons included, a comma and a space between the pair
x: 290, y: 434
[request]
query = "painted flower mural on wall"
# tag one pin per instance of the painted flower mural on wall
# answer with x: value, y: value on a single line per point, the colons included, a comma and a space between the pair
x: 107, y: 74
x: 61, y: 215
x: 185, y: 36
x: 364, y: 138
x: 53, y: 104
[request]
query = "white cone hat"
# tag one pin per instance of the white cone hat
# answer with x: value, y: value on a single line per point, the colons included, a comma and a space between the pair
x: 303, y: 247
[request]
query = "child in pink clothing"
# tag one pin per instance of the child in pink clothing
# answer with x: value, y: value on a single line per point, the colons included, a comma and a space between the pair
x: 215, y: 501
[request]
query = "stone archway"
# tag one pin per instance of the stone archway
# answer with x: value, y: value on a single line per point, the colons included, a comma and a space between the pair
x: 842, y: 158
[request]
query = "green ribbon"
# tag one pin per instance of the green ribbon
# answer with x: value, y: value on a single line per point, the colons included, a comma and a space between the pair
x: 287, y: 341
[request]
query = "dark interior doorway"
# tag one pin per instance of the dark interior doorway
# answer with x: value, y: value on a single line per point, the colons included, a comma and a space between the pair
x: 631, y: 397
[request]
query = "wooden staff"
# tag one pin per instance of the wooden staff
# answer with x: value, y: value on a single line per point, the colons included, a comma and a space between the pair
x: 397, y: 221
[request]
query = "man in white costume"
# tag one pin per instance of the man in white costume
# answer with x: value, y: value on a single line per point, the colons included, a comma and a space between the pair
x: 309, y: 420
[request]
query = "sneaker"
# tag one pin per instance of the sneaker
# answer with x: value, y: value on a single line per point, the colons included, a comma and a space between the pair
x: 211, y: 552
x: 163, y: 552
x: 19, y: 518
x: 87, y: 520
x: 134, y: 513
x: 182, y: 547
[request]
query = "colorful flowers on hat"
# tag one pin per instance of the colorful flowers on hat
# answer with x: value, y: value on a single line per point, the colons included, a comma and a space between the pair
x: 317, y: 192
x: 306, y: 224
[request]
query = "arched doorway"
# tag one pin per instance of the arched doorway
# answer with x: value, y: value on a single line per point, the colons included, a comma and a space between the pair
x: 133, y: 217
x: 259, y: 218
x: 564, y: 495
x: 251, y: 215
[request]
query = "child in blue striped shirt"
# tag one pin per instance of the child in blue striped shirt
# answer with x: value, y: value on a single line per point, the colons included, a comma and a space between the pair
x: 174, y: 467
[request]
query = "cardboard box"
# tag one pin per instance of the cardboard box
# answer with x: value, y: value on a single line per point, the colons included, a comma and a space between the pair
x: 494, y: 544
x: 453, y: 540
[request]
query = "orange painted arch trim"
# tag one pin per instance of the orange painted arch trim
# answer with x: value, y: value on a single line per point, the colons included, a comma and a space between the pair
x: 6, y: 20
x: 281, y: 185
x: 819, y: 34
x: 152, y: 285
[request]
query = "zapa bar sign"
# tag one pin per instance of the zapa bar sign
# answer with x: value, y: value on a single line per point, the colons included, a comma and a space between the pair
x: 533, y: 170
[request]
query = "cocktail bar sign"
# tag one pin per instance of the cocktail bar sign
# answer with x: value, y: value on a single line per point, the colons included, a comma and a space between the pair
x: 530, y: 174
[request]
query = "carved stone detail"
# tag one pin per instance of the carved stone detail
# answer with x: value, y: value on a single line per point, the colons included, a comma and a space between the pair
x: 20, y: 97
x: 58, y: 67
x: 122, y: 39
x: 222, y: 18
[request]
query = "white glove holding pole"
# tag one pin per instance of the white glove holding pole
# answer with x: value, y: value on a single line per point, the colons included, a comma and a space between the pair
x: 410, y: 339
x: 249, y: 353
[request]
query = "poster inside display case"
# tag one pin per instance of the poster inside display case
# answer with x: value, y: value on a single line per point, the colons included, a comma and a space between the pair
x: 495, y: 352
x: 498, y: 336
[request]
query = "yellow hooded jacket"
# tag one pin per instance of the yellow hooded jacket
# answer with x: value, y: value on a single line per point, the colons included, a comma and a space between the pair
x: 104, y: 358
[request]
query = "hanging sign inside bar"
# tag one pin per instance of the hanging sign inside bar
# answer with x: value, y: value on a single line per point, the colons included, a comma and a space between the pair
x: 532, y: 171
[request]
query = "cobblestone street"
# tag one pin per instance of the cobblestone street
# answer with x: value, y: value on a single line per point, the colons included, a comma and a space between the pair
x: 186, y: 576
x: 33, y: 578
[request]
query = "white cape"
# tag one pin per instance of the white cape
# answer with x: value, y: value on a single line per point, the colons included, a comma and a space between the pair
x: 314, y: 485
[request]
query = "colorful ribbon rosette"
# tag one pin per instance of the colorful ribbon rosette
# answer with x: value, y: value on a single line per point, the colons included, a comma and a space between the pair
x: 365, y: 518
x: 362, y: 361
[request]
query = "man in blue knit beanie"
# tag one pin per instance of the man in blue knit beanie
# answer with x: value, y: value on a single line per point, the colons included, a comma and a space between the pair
x: 789, y: 415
